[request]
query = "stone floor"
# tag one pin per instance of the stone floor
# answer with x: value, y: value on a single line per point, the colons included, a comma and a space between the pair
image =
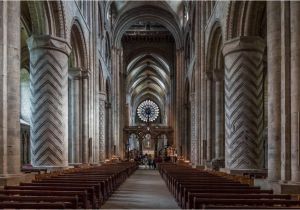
x: 145, y: 189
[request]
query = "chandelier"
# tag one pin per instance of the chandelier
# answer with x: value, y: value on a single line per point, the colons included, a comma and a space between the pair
x: 148, y: 111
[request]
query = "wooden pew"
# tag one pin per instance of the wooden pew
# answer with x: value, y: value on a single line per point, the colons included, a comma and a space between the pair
x: 90, y: 191
x: 60, y: 189
x: 82, y: 195
x: 70, y: 201
x: 32, y: 205
x: 202, y: 202
x: 194, y: 188
x: 192, y: 195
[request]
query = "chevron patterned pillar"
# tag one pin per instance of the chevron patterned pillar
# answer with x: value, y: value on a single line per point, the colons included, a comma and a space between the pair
x: 49, y: 100
x: 102, y: 98
x: 244, y: 102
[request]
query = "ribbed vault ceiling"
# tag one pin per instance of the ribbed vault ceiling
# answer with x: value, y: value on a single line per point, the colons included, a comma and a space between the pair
x: 154, y: 25
x: 148, y: 76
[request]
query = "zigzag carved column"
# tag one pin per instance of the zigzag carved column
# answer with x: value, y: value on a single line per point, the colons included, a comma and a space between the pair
x: 102, y: 98
x: 49, y: 100
x: 244, y: 102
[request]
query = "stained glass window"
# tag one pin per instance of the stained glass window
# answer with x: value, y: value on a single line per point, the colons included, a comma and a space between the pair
x: 148, y: 111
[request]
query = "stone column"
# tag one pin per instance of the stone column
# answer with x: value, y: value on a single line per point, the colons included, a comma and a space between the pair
x: 274, y: 68
x: 202, y: 91
x: 85, y: 117
x: 244, y: 102
x: 102, y: 98
x: 49, y: 100
x: 75, y: 74
x: 194, y: 149
x: 108, y: 138
x: 179, y: 118
x: 219, y: 122
x: 208, y: 116
x: 9, y: 88
x: 295, y: 91
x: 285, y: 91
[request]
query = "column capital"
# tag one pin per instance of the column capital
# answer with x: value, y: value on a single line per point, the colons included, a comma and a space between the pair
x: 85, y: 74
x: 102, y: 96
x: 244, y: 43
x: 208, y: 75
x: 48, y: 42
x: 218, y: 75
x: 75, y: 73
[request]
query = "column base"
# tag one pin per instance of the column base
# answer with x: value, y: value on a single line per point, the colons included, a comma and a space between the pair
x: 259, y: 172
x: 290, y: 188
x: 15, y: 179
x: 53, y: 168
x: 279, y: 187
x: 215, y: 164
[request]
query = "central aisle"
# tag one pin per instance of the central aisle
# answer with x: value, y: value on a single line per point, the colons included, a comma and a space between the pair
x: 145, y: 189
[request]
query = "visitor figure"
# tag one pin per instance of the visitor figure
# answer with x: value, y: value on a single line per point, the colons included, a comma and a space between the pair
x: 154, y: 163
x: 150, y: 162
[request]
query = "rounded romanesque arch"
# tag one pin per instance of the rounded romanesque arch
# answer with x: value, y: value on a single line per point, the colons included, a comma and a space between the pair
x: 245, y: 18
x: 48, y: 17
x: 147, y: 13
x: 79, y: 55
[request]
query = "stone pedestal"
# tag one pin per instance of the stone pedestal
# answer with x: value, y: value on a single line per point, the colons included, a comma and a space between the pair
x: 49, y: 100
x: 244, y: 102
x: 216, y: 164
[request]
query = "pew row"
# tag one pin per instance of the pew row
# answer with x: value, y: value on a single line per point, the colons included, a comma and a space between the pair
x: 199, y: 189
x: 85, y: 188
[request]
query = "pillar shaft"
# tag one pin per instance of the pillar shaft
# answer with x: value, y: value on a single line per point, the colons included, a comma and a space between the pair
x: 285, y: 92
x: 194, y: 148
x: 85, y: 118
x: 274, y: 117
x: 244, y: 102
x: 102, y: 118
x: 9, y: 87
x: 295, y: 91
x: 208, y: 116
x: 75, y: 75
x: 107, y: 136
x: 49, y: 100
x: 219, y: 122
